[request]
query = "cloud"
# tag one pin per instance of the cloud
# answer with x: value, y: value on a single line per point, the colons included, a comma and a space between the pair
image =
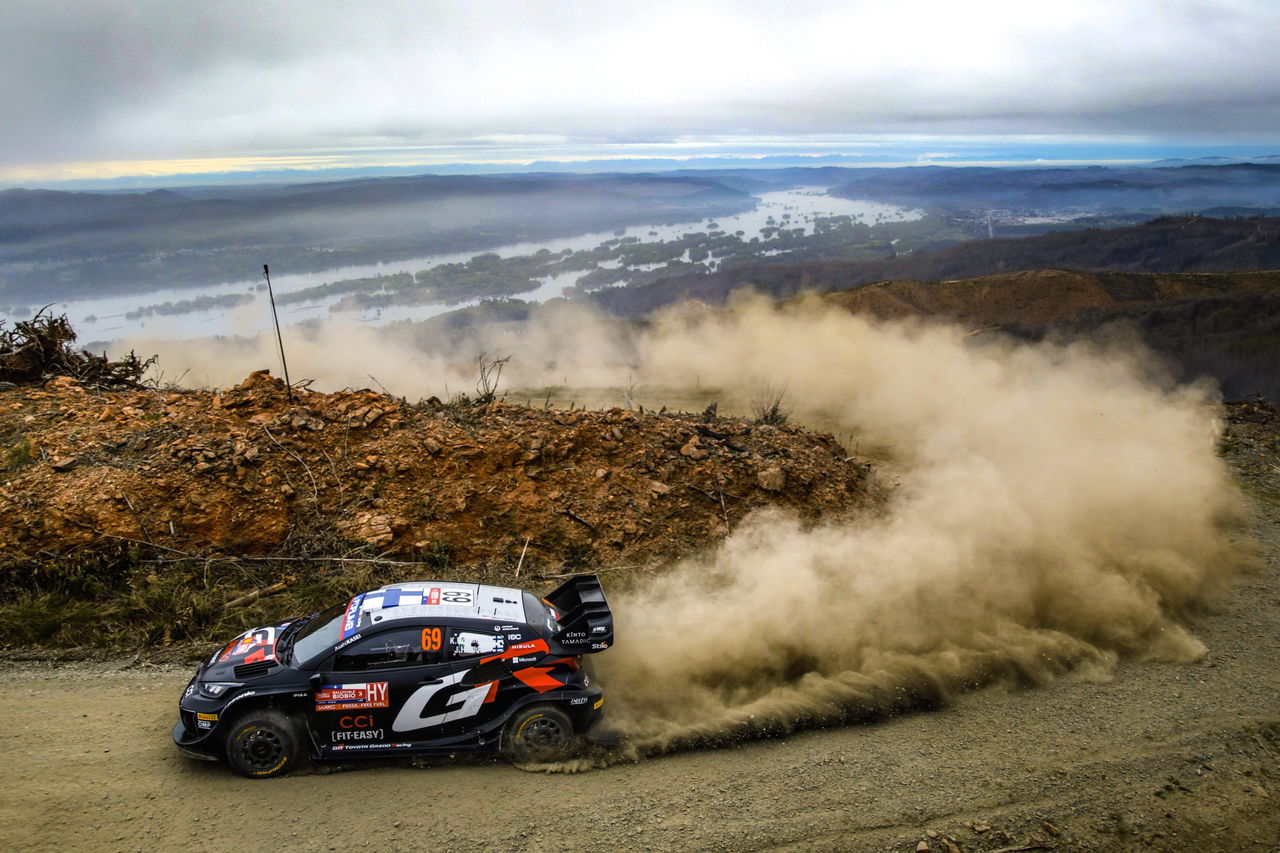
x: 95, y: 79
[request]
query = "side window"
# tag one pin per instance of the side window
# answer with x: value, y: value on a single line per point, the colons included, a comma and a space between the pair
x: 464, y: 643
x: 396, y: 649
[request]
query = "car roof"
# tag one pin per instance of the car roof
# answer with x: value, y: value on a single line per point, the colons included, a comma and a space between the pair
x: 435, y: 600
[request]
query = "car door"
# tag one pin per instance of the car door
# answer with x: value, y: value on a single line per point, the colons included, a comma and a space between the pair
x: 444, y: 711
x: 477, y: 657
x: 367, y: 685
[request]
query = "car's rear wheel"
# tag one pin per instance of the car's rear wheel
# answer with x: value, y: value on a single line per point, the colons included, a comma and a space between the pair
x: 262, y: 744
x: 538, y: 733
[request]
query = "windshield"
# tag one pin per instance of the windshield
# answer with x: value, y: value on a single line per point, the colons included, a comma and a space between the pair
x: 320, y: 634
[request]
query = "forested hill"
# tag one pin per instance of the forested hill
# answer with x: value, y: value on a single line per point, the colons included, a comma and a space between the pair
x: 1168, y: 244
x: 1193, y: 188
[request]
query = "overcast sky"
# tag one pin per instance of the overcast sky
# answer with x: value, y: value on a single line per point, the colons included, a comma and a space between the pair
x: 92, y: 81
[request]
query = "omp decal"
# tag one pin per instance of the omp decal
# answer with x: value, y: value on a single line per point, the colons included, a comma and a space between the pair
x: 537, y: 678
x: 352, y: 697
x: 463, y: 704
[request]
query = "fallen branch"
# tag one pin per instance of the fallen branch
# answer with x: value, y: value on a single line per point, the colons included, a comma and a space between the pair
x: 522, y: 551
x: 573, y: 515
x: 593, y: 571
x: 250, y: 597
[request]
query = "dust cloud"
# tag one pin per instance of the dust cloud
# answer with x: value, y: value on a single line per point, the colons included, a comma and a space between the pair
x: 1056, y: 506
x: 1059, y: 505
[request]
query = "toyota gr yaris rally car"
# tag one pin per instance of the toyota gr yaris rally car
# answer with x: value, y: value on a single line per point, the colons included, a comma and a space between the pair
x: 412, y: 668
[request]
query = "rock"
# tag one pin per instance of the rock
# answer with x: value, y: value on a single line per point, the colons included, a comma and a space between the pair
x: 368, y: 527
x: 692, y: 450
x: 923, y: 847
x: 932, y: 833
x: 287, y: 490
x: 256, y: 379
x: 602, y: 473
x: 1051, y: 829
x: 432, y: 446
x: 772, y: 479
x: 107, y: 413
x: 658, y: 488
x: 64, y: 463
x: 951, y: 846
x: 981, y: 827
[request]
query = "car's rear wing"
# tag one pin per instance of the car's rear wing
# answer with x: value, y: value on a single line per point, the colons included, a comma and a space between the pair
x: 586, y: 622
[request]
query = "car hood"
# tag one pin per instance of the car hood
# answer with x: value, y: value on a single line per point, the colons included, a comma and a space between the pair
x: 254, y: 650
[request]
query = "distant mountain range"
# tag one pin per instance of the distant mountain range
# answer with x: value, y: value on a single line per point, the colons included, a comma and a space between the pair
x: 1183, y: 188
x: 58, y: 245
x: 61, y: 244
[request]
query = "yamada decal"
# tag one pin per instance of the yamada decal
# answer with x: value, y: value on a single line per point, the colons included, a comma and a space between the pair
x: 352, y: 697
x: 459, y: 706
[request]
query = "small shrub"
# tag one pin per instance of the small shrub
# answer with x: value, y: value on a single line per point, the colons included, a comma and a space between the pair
x: 18, y: 454
x: 769, y: 404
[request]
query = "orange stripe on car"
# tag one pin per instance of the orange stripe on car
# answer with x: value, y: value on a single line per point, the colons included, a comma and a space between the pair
x: 537, y: 678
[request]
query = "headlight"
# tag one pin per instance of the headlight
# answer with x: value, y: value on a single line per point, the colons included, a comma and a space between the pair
x: 214, y: 689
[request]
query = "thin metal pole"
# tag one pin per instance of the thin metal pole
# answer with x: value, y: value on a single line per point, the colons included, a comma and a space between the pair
x: 279, y: 340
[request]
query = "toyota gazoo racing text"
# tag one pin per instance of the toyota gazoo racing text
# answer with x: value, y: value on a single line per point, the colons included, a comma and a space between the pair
x: 410, y: 668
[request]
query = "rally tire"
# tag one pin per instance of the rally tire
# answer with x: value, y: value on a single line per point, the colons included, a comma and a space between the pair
x: 538, y: 733
x: 262, y: 744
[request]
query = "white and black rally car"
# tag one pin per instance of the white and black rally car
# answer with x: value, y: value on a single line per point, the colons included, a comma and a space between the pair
x: 426, y: 667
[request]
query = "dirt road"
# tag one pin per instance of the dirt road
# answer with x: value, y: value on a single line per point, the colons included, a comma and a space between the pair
x: 1161, y: 757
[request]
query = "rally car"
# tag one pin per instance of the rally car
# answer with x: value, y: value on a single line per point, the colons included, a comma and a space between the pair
x: 426, y: 667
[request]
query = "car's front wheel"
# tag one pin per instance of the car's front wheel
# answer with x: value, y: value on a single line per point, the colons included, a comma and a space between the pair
x: 538, y: 733
x: 262, y: 744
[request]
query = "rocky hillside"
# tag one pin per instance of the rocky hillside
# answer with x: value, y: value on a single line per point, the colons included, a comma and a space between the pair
x: 244, y: 472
